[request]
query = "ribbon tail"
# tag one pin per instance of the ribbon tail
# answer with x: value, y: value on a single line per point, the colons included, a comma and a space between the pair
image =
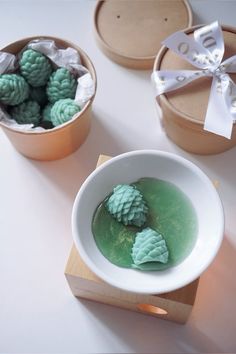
x: 218, y: 118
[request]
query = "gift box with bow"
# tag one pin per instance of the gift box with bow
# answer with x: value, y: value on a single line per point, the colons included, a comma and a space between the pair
x: 194, y: 78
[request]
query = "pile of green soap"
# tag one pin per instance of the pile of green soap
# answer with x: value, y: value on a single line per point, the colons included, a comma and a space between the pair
x: 37, y: 94
x: 126, y: 205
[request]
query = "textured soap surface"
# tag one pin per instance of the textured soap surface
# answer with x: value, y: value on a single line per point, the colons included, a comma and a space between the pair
x: 126, y: 205
x: 46, y: 113
x: 63, y: 110
x: 62, y: 84
x: 39, y: 95
x: 46, y: 121
x: 13, y: 89
x: 149, y: 246
x: 170, y: 213
x: 26, y: 113
x: 35, y: 67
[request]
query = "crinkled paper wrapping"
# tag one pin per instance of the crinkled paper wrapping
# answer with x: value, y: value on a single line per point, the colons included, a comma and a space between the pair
x: 68, y: 58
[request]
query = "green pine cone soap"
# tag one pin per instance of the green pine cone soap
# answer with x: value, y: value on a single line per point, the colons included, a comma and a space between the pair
x: 46, y: 122
x: 35, y: 67
x: 46, y: 114
x: 126, y: 204
x: 13, y: 89
x: 149, y: 246
x: 62, y: 84
x: 63, y: 110
x: 26, y: 113
x: 39, y: 95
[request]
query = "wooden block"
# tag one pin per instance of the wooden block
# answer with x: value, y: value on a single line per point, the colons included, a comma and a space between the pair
x: 174, y: 306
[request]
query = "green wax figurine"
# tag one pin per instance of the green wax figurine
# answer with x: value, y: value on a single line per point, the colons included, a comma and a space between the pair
x: 46, y: 114
x: 39, y: 95
x: 26, y: 113
x: 13, y: 89
x: 149, y: 246
x: 62, y: 84
x: 63, y: 110
x: 35, y: 67
x: 126, y: 204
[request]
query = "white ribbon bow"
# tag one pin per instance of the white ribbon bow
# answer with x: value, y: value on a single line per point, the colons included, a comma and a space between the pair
x: 204, y: 50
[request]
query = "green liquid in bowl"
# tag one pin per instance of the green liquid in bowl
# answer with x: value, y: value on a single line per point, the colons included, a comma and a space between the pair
x: 170, y: 213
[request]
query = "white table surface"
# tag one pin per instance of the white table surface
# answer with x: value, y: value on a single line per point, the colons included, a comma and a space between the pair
x: 38, y: 313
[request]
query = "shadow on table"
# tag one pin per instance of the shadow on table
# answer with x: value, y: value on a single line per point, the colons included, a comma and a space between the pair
x: 69, y: 173
x: 143, y: 75
x: 217, y: 289
x: 143, y: 334
x: 220, y: 166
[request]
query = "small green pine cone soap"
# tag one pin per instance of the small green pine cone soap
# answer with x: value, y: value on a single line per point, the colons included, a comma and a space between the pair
x: 13, y: 89
x: 39, y: 95
x: 62, y: 84
x: 63, y: 110
x: 149, y: 246
x: 35, y: 67
x: 46, y: 114
x: 46, y: 117
x: 126, y: 204
x: 26, y: 113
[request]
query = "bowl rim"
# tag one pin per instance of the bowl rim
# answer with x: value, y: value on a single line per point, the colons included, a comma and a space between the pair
x: 154, y: 290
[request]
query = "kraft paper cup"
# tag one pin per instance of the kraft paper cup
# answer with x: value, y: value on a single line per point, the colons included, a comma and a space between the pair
x: 62, y: 140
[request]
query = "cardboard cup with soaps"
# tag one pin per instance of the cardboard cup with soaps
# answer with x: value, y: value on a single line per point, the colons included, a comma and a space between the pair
x: 47, y: 86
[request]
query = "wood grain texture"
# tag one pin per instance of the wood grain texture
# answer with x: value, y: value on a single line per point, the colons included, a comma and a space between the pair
x: 87, y: 285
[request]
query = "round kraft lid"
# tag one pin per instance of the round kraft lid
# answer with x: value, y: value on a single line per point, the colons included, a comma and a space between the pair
x: 130, y: 32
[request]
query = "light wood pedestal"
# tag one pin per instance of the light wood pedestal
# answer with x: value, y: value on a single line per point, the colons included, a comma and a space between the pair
x: 174, y: 306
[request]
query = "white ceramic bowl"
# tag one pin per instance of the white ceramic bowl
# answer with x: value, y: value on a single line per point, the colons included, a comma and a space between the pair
x: 127, y: 168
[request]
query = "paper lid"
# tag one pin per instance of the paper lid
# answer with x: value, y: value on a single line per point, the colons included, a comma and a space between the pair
x: 130, y: 32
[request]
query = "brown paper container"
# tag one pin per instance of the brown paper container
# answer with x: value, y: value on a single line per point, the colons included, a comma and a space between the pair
x: 130, y: 32
x: 62, y: 140
x: 184, y: 109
